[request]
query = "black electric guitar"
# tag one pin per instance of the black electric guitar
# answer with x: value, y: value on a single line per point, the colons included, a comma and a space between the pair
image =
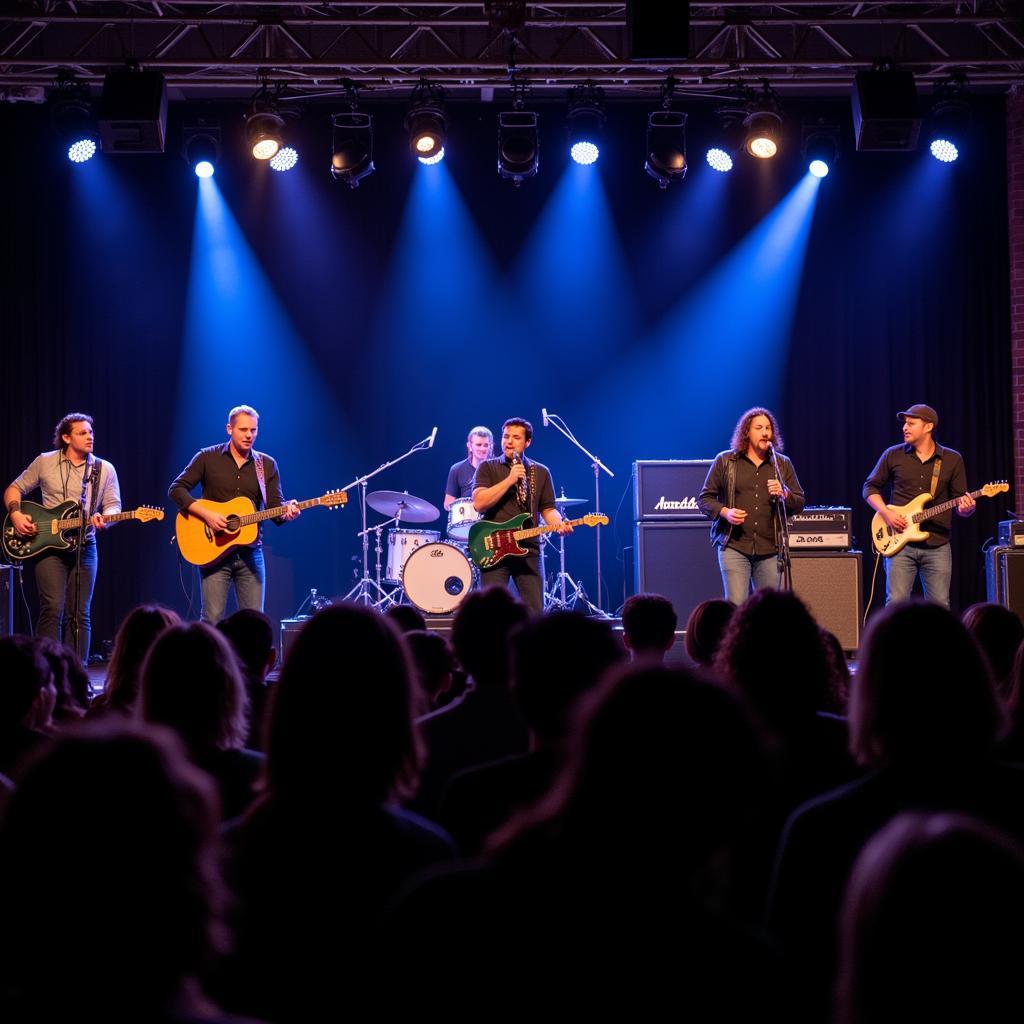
x: 56, y: 527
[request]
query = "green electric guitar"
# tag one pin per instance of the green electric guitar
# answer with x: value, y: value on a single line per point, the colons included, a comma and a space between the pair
x: 490, y: 542
x: 55, y: 527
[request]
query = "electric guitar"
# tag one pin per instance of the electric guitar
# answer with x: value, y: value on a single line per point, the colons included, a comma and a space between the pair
x: 201, y: 545
x: 56, y: 527
x: 490, y: 542
x: 888, y: 541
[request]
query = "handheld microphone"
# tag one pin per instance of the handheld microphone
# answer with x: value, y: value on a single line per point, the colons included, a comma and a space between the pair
x: 517, y: 460
x: 544, y: 414
x: 433, y: 434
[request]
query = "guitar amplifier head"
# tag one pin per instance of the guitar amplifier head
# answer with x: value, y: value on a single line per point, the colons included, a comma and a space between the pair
x: 1011, y: 533
x: 668, y: 489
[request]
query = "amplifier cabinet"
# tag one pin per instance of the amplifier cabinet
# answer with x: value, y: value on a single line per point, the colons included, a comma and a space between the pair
x: 678, y: 561
x: 8, y: 581
x: 830, y: 584
x: 1004, y: 576
x: 668, y: 489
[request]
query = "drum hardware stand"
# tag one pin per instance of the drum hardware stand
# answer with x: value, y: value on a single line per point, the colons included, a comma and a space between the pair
x: 388, y: 597
x: 565, y: 592
x: 559, y: 424
x: 367, y: 591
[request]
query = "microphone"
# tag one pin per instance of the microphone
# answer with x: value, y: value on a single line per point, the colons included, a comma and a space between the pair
x: 517, y: 460
x: 544, y: 414
x: 433, y: 434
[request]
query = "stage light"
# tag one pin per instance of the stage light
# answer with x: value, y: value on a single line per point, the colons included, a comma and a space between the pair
x: 426, y: 123
x: 264, y: 124
x: 284, y: 159
x: 585, y: 121
x: 820, y: 147
x: 518, y: 145
x: 950, y: 120
x: 352, y: 150
x: 201, y: 147
x: 764, y: 126
x: 666, y: 146
x: 72, y: 116
x: 728, y: 140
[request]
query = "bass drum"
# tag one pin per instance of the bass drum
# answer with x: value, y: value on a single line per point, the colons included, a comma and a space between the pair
x: 437, y: 577
x: 401, y: 544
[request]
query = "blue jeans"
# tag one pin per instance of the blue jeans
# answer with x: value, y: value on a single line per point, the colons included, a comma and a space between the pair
x: 243, y: 568
x: 740, y: 570
x: 55, y: 581
x: 528, y: 575
x: 934, y: 565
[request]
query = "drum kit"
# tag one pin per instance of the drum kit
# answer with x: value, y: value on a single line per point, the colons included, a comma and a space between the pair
x: 435, y: 575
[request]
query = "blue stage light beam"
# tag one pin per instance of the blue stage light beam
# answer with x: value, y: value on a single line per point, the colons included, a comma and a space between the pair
x: 722, y: 348
x: 240, y: 347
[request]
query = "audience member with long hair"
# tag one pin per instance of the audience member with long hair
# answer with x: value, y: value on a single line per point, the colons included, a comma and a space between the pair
x: 326, y: 845
x: 705, y: 628
x: 192, y: 682
x: 925, y: 720
x: 111, y: 895
x: 999, y: 633
x: 134, y: 638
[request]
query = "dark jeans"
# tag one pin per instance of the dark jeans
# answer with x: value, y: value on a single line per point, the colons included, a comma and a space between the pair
x: 244, y: 569
x: 528, y: 575
x: 55, y: 581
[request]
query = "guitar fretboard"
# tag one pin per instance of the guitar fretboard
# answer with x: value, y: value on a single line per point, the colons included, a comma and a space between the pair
x: 73, y: 524
x: 273, y: 513
x: 936, y: 510
x: 536, y: 531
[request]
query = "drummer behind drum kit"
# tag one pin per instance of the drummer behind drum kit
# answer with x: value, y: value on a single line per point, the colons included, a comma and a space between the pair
x: 436, y: 575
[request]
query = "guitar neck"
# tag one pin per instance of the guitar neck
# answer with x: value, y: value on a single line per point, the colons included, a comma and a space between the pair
x: 937, y: 510
x: 115, y: 517
x: 273, y: 513
x: 536, y: 531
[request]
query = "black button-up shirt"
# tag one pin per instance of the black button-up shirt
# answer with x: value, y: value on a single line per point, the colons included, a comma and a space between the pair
x: 223, y: 479
x: 539, y: 498
x: 908, y: 476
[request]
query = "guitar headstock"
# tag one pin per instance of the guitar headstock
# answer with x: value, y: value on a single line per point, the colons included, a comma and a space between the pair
x: 595, y: 519
x: 147, y: 513
x: 994, y: 488
x: 334, y: 498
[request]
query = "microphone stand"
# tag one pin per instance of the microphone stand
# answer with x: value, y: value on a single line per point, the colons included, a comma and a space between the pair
x: 782, y: 528
x: 559, y: 424
x: 367, y: 591
x: 74, y: 623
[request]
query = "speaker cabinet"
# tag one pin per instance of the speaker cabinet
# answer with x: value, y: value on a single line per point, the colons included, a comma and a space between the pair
x: 668, y: 489
x: 1004, y: 572
x: 677, y: 561
x: 829, y: 583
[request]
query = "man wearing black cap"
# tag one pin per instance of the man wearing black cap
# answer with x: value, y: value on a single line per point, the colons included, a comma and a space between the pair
x: 919, y: 466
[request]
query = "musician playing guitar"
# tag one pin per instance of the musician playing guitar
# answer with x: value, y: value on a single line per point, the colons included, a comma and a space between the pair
x: 919, y: 466
x: 226, y: 471
x: 67, y: 474
x: 503, y: 488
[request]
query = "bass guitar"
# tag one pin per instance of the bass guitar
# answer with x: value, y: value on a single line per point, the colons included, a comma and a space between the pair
x: 201, y: 545
x: 888, y: 541
x: 55, y: 527
x: 490, y: 542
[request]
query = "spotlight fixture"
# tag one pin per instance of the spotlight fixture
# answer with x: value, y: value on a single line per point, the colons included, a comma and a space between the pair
x: 820, y: 147
x: 950, y: 119
x: 518, y: 137
x: 764, y: 125
x: 72, y: 116
x: 426, y: 123
x: 666, y: 140
x: 352, y: 147
x: 264, y: 125
x: 728, y: 141
x: 201, y: 147
x: 585, y: 121
x: 284, y: 159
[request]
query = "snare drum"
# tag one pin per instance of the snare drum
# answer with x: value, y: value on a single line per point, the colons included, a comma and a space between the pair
x: 401, y: 544
x: 437, y: 577
x: 461, y: 516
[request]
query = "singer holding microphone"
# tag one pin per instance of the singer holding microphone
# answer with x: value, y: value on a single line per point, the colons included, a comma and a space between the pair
x: 503, y: 488
x: 741, y: 496
x: 70, y: 473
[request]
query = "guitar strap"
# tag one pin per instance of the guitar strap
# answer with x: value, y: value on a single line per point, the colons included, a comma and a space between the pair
x: 257, y: 459
x: 935, y: 476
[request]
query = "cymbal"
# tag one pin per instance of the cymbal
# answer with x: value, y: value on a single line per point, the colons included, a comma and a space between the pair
x: 414, y: 510
x: 565, y: 502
